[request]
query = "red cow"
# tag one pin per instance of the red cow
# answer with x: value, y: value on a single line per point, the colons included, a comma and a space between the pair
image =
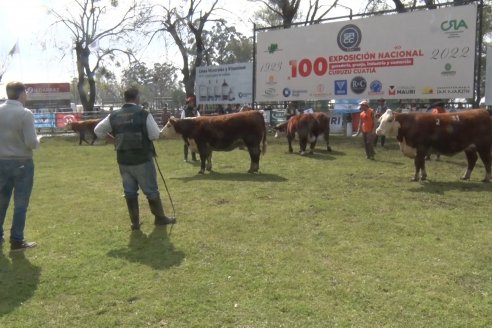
x: 308, y: 127
x: 221, y: 133
x: 447, y: 133
x: 83, y: 127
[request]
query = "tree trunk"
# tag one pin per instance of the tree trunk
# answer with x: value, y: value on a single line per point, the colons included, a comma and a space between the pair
x: 83, y: 70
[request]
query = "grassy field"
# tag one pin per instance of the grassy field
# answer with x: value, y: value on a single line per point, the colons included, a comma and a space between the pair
x: 327, y: 240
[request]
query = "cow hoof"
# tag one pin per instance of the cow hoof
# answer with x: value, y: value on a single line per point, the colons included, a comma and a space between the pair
x: 414, y: 180
x: 201, y: 172
x: 486, y: 181
x: 329, y: 148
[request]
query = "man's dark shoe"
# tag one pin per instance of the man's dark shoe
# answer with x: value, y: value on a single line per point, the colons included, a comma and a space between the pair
x: 20, y: 245
x: 164, y: 220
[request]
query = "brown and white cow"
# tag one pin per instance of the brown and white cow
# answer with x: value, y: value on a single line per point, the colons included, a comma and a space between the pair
x: 308, y: 127
x: 447, y: 133
x: 83, y: 128
x: 221, y: 133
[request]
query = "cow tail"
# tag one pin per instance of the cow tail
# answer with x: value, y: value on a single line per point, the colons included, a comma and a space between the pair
x: 264, y: 141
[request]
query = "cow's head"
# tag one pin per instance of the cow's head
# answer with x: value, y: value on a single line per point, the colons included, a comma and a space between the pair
x: 280, y: 128
x: 388, y: 126
x: 168, y: 131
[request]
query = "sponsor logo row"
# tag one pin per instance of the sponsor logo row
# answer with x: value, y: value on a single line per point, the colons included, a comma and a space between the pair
x: 359, y: 86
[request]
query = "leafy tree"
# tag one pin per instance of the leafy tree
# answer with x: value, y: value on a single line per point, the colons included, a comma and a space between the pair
x: 186, y: 23
x: 202, y: 37
x: 84, y: 19
x: 227, y: 46
x: 288, y: 11
x: 158, y: 82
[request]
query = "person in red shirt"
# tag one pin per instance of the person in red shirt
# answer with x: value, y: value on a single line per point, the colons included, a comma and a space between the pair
x: 367, y: 127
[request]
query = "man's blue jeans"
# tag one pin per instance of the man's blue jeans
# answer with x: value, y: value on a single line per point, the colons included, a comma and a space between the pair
x: 141, y: 175
x: 16, y: 176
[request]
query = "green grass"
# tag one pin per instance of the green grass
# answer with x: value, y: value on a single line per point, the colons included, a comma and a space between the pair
x: 328, y: 240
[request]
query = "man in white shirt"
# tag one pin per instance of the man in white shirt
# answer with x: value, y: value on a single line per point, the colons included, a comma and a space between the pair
x: 18, y: 139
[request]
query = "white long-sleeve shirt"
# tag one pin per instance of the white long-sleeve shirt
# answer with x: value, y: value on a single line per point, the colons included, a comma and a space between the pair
x: 17, y: 132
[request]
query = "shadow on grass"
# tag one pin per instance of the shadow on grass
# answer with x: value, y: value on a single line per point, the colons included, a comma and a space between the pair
x: 259, y: 177
x: 18, y: 281
x: 154, y: 250
x: 440, y: 187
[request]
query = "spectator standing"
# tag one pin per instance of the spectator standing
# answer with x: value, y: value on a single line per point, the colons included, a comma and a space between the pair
x: 132, y: 130
x: 189, y: 111
x: 367, y: 127
x: 18, y: 139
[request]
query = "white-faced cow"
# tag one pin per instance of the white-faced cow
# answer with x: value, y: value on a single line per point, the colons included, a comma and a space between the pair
x: 221, y: 133
x: 308, y: 127
x: 447, y: 133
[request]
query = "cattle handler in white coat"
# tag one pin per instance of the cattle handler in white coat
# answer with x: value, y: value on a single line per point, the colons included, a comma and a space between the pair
x: 131, y: 129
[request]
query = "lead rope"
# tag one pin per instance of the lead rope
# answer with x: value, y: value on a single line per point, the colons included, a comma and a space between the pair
x: 167, y: 190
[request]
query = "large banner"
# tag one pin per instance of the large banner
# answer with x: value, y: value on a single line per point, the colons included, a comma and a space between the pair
x: 418, y: 55
x: 225, y: 84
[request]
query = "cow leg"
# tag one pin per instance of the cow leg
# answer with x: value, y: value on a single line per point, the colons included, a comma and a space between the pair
x: 312, y: 144
x: 420, y: 172
x: 327, y: 139
x: 471, y: 157
x: 302, y: 145
x: 209, y: 162
x: 311, y: 147
x: 254, y: 154
x: 82, y: 137
x: 486, y: 157
x: 289, y: 140
x: 94, y: 137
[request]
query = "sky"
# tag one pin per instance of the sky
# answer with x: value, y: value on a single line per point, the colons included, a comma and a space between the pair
x: 43, y: 52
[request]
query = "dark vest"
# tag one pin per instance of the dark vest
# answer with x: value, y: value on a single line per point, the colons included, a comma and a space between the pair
x: 190, y: 112
x: 129, y: 127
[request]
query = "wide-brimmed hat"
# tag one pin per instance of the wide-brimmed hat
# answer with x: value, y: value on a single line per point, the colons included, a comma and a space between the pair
x: 364, y: 102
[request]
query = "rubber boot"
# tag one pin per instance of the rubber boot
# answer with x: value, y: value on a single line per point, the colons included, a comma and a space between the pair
x: 156, y: 209
x: 133, y: 210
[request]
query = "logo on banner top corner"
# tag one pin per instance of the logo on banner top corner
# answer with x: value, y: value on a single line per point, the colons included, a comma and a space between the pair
x: 349, y: 38
x: 273, y: 48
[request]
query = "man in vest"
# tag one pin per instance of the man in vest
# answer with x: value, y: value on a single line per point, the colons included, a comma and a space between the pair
x: 189, y: 111
x: 132, y: 130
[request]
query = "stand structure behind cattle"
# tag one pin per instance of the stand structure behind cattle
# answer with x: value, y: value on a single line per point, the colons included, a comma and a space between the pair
x: 448, y: 134
x: 83, y: 128
x: 221, y: 133
x: 308, y: 127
